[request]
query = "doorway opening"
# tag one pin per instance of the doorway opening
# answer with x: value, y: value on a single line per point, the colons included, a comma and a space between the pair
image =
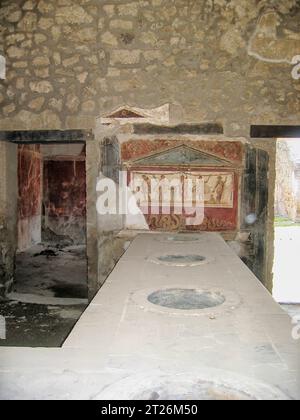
x: 286, y: 289
x: 50, y: 289
x: 51, y: 259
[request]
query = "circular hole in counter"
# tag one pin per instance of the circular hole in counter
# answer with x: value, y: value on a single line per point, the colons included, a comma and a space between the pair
x: 186, y: 299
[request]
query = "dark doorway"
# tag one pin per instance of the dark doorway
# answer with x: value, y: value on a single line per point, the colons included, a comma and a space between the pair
x: 51, y: 259
x: 50, y: 284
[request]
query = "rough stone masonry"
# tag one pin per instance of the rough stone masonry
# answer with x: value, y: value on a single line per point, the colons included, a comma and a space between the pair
x: 228, y: 62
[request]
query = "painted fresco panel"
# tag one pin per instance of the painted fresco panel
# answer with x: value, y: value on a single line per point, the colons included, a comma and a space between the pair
x: 216, y: 163
x: 65, y: 188
x: 218, y: 187
x: 218, y: 216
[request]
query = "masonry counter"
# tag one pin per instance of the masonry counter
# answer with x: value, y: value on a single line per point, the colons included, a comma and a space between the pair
x: 182, y: 317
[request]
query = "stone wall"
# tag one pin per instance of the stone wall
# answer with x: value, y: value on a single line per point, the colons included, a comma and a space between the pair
x: 220, y: 61
x: 69, y: 61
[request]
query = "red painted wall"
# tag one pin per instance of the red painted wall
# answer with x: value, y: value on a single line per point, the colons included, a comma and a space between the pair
x: 64, y: 202
x: 64, y: 188
x: 29, y: 177
x: 216, y: 219
x: 134, y: 149
x: 30, y: 196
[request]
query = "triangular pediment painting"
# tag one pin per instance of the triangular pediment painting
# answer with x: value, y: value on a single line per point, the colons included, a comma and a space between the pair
x: 127, y: 114
x: 182, y: 155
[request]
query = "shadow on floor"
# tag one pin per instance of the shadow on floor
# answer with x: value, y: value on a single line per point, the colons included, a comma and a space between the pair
x: 50, y: 271
x: 31, y: 325
x: 44, y: 273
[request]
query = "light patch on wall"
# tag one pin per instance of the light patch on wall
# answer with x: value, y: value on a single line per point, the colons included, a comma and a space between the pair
x: 296, y: 69
x: 127, y: 114
x: 2, y: 67
x: 266, y: 45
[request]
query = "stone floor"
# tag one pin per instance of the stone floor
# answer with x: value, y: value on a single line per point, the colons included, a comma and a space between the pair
x: 51, y: 271
x: 33, y: 325
x: 49, y: 296
x: 125, y: 347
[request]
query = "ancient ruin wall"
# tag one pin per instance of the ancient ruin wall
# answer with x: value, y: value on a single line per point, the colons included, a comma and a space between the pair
x: 219, y: 60
x: 68, y: 61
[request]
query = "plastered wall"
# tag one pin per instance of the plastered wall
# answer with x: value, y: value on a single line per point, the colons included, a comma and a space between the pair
x: 226, y: 62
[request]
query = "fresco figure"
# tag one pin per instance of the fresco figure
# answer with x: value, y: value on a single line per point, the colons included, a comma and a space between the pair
x: 219, y: 189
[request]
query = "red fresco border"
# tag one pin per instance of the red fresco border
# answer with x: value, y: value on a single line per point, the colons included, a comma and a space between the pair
x: 135, y: 149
